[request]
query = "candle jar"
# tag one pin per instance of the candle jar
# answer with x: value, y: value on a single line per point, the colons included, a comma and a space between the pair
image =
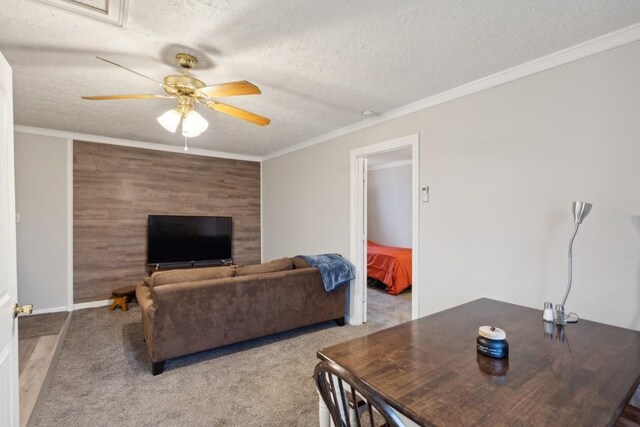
x: 492, y: 342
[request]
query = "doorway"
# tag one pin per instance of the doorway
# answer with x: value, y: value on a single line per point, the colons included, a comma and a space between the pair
x: 359, y: 236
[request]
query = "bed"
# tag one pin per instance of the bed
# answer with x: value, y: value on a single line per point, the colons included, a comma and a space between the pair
x: 389, y: 265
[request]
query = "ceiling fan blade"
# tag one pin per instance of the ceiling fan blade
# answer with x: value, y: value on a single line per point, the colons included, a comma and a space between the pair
x: 237, y: 112
x: 169, y: 88
x: 140, y: 96
x: 241, y: 87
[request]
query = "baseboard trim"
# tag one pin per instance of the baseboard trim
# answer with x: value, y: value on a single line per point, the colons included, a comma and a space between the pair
x: 92, y: 304
x: 50, y: 310
x: 79, y: 306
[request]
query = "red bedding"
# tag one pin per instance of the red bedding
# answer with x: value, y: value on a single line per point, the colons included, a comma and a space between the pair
x: 391, y: 266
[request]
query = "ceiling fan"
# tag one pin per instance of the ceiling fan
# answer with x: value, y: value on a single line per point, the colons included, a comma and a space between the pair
x: 190, y: 91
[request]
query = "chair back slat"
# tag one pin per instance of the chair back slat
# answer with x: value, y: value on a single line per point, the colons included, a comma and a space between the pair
x: 370, y: 412
x: 346, y: 405
x: 354, y: 399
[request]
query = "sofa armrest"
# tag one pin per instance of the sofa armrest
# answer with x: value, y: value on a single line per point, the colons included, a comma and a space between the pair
x: 145, y: 301
x: 143, y: 295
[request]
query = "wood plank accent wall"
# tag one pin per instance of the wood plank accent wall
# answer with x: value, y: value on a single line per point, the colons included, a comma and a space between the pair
x: 115, y: 188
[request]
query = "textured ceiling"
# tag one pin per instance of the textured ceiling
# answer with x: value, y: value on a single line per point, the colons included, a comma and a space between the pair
x: 319, y: 64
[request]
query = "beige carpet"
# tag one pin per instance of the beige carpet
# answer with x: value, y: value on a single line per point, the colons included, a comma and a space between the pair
x: 103, y: 376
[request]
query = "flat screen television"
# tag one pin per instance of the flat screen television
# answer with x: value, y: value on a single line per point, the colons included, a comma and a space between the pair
x: 173, y: 239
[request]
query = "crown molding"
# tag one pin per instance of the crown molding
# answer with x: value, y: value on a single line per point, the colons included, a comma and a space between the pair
x: 134, y: 144
x: 583, y: 50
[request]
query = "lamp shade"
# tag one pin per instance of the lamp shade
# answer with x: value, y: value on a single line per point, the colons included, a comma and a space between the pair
x: 193, y: 124
x: 580, y: 211
x: 170, y: 120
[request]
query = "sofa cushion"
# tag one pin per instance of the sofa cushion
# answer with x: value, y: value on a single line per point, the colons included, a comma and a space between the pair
x: 299, y: 263
x: 190, y: 275
x: 281, y: 264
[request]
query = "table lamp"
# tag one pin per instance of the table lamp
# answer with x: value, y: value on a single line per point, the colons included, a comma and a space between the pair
x: 580, y: 211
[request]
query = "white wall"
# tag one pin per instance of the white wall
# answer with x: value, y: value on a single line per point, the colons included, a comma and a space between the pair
x: 41, y: 201
x: 503, y: 166
x: 389, y: 206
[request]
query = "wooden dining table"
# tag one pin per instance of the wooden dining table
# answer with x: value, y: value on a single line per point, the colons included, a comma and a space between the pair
x: 429, y: 371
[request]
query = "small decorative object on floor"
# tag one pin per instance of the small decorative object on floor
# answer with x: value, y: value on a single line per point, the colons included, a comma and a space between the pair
x: 121, y: 296
x: 492, y: 342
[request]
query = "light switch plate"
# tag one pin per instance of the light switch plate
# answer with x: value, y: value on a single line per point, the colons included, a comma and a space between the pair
x: 424, y: 191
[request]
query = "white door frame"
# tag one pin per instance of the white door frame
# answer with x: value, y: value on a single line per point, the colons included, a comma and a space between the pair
x: 358, y: 241
x: 9, y: 388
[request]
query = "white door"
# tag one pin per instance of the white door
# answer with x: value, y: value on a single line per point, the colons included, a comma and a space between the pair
x: 8, y: 285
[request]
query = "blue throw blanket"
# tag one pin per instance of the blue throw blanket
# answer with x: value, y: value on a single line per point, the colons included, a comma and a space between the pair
x: 335, y: 270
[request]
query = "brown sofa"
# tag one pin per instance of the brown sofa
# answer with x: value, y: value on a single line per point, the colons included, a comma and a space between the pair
x: 186, y: 311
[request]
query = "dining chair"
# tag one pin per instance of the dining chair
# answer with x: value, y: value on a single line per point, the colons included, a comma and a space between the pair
x: 350, y: 401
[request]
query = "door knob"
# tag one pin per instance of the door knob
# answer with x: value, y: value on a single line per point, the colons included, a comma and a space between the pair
x: 25, y: 309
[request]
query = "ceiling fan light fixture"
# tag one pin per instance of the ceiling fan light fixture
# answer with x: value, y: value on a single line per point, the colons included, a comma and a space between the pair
x: 188, y: 91
x: 170, y: 120
x: 193, y: 124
